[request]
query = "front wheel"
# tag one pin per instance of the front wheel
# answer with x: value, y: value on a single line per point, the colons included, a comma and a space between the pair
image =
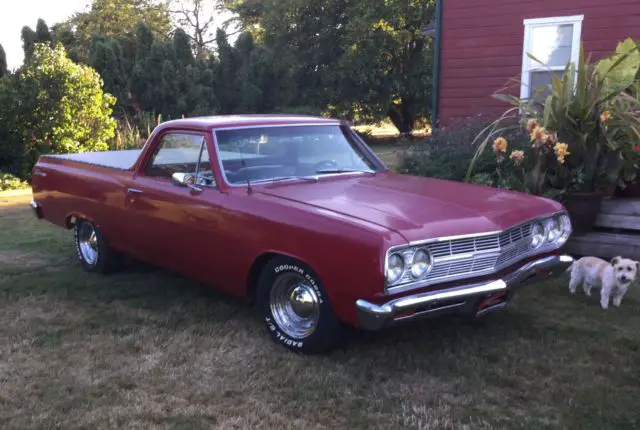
x: 296, y: 309
x: 92, y: 249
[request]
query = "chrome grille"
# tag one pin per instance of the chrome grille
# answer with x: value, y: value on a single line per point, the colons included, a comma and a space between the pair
x: 474, y: 256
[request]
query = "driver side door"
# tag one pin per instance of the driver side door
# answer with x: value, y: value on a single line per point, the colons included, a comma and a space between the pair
x: 170, y: 221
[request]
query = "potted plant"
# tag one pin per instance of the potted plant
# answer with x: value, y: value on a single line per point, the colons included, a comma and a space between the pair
x: 581, y: 134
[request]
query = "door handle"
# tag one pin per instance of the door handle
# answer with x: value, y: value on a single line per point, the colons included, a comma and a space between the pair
x: 133, y: 191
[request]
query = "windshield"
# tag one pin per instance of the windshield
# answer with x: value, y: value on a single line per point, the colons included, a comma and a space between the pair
x: 275, y: 153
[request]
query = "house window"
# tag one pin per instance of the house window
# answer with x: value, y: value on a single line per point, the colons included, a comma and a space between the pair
x: 554, y: 42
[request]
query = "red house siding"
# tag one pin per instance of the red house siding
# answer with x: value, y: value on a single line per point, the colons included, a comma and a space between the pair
x: 482, y: 41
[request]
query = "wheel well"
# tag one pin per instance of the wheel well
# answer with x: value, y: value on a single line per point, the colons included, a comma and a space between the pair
x: 70, y: 221
x: 255, y: 271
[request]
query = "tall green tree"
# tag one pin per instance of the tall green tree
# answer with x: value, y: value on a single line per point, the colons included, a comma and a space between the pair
x: 227, y: 74
x: 107, y: 58
x: 182, y: 48
x: 43, y: 35
x: 63, y: 33
x: 3, y: 62
x: 29, y: 39
x: 360, y: 59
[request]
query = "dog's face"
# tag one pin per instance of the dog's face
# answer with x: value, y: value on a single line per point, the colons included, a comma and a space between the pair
x: 625, y: 270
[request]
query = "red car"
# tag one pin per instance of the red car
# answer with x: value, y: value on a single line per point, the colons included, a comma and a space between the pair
x: 300, y: 216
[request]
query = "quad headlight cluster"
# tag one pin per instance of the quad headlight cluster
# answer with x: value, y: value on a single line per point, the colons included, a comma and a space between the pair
x: 552, y: 231
x: 415, y: 261
x: 410, y: 265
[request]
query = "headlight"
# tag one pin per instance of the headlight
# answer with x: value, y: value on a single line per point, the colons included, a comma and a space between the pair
x: 395, y: 268
x: 565, y: 227
x: 553, y: 230
x: 537, y: 235
x: 421, y: 263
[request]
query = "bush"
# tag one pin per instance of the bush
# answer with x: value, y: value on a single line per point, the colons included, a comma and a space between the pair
x: 51, y: 105
x: 446, y: 154
x: 11, y: 182
x: 582, y: 134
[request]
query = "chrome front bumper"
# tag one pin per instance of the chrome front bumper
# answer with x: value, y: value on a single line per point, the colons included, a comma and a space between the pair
x: 477, y: 299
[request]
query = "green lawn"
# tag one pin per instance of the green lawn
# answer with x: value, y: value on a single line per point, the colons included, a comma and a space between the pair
x: 147, y: 349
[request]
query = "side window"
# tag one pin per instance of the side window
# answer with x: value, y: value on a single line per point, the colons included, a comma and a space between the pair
x: 182, y: 153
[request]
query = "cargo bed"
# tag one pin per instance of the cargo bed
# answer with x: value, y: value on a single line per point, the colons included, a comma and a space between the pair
x: 125, y: 159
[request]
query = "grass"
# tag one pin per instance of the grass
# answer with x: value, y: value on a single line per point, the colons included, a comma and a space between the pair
x: 148, y: 349
x: 389, y: 149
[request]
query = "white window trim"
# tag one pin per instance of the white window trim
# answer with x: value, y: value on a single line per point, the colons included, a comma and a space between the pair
x: 530, y: 24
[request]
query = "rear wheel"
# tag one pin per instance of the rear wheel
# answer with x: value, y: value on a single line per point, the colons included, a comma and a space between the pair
x: 296, y: 309
x: 93, y: 251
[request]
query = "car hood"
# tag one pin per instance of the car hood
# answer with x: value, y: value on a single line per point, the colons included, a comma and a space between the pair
x: 417, y: 208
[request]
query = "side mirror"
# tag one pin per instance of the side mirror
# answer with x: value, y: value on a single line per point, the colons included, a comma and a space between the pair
x: 186, y: 180
x: 182, y: 179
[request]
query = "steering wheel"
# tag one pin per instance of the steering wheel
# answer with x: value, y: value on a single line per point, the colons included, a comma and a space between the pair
x: 326, y: 164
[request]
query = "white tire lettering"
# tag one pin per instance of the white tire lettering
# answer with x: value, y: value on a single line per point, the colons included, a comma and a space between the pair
x: 284, y: 267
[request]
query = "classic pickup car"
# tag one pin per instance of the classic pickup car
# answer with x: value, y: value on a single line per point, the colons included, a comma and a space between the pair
x: 300, y: 217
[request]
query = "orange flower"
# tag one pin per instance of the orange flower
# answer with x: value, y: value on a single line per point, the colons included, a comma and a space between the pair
x: 605, y: 117
x: 538, y: 135
x: 561, y: 150
x: 517, y: 157
x: 532, y: 124
x: 500, y: 145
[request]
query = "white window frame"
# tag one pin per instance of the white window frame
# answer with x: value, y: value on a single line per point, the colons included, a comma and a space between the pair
x: 528, y: 65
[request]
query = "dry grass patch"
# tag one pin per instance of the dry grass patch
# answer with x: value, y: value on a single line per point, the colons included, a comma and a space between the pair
x: 148, y: 349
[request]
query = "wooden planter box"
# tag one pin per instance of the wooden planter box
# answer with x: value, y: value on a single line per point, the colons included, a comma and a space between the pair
x: 616, y: 233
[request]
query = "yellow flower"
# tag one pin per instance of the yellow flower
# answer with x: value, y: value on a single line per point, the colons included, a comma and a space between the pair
x: 500, y: 145
x: 538, y: 135
x: 605, y: 117
x: 561, y: 150
x: 532, y: 124
x: 517, y: 157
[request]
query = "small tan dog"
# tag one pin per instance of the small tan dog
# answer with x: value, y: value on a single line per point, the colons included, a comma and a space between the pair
x: 614, y: 278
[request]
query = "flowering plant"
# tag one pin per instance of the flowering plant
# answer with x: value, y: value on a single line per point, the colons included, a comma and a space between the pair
x: 581, y: 134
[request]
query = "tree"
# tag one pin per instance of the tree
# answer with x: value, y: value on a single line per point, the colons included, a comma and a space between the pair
x: 227, y: 74
x: 197, y: 18
x: 43, y: 35
x: 63, y: 33
x: 182, y: 48
x: 119, y: 19
x: 107, y: 59
x: 29, y: 39
x: 3, y: 62
x: 359, y: 59
x: 52, y: 105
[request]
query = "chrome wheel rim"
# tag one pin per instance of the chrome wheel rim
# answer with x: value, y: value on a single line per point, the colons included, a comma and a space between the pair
x: 88, y: 243
x: 295, y: 305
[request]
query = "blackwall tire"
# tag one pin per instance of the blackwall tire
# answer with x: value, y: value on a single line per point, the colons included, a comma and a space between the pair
x: 296, y: 309
x: 93, y: 251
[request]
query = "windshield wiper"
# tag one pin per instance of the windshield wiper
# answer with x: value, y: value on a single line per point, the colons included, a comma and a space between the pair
x: 289, y: 178
x: 330, y: 171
